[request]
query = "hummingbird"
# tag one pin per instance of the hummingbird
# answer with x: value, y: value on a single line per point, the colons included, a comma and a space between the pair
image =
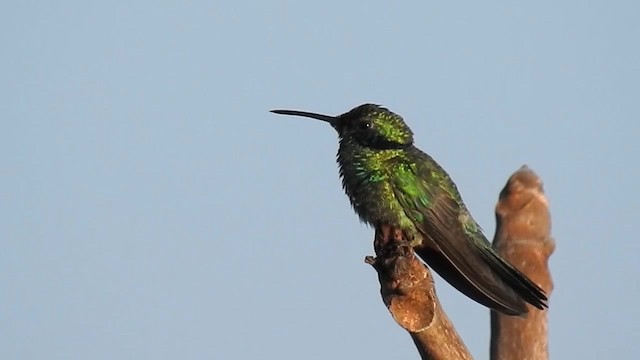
x: 389, y: 181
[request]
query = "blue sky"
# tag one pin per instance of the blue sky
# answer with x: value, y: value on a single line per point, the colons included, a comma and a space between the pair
x: 153, y: 208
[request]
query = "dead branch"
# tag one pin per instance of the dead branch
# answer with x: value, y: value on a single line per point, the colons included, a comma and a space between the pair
x: 523, y: 238
x: 406, y: 286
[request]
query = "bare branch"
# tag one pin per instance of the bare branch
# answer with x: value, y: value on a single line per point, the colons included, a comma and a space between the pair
x: 406, y: 286
x: 523, y: 238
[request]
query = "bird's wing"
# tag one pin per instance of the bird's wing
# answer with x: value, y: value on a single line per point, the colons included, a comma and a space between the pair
x: 456, y: 247
x: 431, y: 201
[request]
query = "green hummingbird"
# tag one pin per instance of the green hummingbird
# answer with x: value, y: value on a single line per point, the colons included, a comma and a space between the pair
x: 389, y: 181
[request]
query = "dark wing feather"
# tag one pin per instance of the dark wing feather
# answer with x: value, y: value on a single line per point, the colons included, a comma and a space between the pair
x: 454, y: 244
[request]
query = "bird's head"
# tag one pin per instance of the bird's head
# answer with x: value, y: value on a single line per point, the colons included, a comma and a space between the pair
x: 369, y: 125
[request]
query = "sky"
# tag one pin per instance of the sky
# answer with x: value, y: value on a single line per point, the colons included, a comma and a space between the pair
x: 152, y: 207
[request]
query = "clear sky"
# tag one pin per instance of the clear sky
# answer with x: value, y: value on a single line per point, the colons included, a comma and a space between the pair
x: 152, y: 208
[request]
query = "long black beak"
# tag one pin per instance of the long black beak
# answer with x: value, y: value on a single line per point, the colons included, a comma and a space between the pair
x: 330, y: 119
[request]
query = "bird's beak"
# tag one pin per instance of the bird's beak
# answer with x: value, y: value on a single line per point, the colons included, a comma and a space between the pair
x: 332, y: 120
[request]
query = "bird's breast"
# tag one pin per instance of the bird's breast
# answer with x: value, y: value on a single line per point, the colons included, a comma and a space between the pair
x: 366, y: 179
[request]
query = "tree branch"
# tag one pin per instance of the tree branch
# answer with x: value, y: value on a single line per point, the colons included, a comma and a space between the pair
x: 523, y: 238
x: 406, y: 286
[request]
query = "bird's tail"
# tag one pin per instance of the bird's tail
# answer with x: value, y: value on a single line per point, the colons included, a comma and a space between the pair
x: 483, y: 276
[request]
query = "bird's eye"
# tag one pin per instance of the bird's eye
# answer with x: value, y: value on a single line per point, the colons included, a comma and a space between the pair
x: 364, y: 125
